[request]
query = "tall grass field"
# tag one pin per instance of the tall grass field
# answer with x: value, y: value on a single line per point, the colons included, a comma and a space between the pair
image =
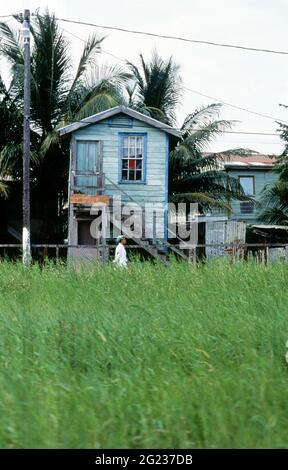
x: 149, y: 357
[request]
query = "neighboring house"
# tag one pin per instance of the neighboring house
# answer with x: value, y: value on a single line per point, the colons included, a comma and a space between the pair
x: 118, y: 153
x: 253, y: 173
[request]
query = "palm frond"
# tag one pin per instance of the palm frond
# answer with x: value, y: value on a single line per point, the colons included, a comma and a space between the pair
x: 216, y: 180
x: 11, y: 160
x: 3, y: 190
x: 10, y: 44
x: 51, y: 139
x: 274, y: 215
x: 101, y: 91
x: 236, y: 152
x: 274, y: 203
x: 88, y: 60
x: 205, y: 199
x: 97, y: 102
x: 159, y: 87
x: 275, y: 194
x: 201, y: 116
x: 50, y: 65
x: 203, y: 136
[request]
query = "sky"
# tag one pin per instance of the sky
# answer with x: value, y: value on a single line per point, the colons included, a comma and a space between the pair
x: 252, y: 80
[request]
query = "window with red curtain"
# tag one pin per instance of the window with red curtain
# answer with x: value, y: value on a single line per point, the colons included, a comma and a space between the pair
x: 132, y: 161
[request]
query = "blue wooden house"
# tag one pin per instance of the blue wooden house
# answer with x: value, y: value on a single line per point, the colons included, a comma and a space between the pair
x: 253, y: 173
x: 123, y: 154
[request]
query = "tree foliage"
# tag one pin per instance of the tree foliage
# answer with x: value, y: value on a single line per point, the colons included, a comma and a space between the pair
x: 274, y: 199
x: 58, y: 97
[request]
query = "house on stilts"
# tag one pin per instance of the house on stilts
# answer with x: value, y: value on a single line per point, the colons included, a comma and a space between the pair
x: 118, y: 167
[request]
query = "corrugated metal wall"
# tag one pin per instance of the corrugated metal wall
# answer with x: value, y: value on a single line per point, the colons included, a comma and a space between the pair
x: 223, y: 232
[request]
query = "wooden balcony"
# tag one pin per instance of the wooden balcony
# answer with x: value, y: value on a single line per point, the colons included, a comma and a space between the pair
x: 87, y: 188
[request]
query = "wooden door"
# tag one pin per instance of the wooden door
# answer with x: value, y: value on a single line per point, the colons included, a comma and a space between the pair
x: 84, y: 233
x: 88, y: 167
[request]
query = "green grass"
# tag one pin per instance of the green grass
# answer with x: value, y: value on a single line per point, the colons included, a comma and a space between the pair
x: 153, y: 356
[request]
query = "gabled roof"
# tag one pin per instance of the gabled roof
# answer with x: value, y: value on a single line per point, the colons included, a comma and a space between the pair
x: 112, y: 112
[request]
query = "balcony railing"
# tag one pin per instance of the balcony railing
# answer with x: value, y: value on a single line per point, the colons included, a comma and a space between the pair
x: 87, y: 183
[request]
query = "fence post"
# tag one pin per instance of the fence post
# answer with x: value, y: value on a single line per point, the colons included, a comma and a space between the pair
x: 45, y: 253
x: 104, y: 234
x: 267, y: 254
x: 263, y: 256
x: 242, y: 252
x: 234, y: 251
x: 192, y: 256
x: 104, y: 250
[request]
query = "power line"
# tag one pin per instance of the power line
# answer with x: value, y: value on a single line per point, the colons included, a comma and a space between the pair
x: 102, y: 50
x: 165, y: 36
x: 178, y: 38
x: 235, y: 106
x: 113, y: 55
x: 266, y: 116
x: 226, y: 103
x: 249, y: 143
x: 248, y: 133
x: 72, y: 34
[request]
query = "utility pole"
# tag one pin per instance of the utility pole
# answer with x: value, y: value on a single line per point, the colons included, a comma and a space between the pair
x: 26, y: 141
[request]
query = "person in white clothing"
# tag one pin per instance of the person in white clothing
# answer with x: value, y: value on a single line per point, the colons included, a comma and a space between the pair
x: 120, y: 252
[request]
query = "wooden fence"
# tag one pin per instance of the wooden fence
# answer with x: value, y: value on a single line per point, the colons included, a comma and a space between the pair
x: 261, y: 253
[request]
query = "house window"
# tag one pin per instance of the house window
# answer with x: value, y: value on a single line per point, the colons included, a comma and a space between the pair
x: 247, y: 183
x: 246, y: 208
x: 132, y: 164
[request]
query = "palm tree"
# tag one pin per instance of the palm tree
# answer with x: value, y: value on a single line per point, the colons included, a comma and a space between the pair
x: 274, y: 204
x: 157, y: 88
x: 274, y: 198
x: 57, y: 98
x: 194, y: 176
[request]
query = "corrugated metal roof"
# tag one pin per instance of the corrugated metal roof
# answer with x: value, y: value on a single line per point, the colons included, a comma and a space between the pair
x: 236, y: 163
x: 252, y: 160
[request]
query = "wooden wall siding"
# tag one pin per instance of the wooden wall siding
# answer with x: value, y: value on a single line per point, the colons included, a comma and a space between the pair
x: 121, y: 120
x: 154, y: 189
x: 261, y: 179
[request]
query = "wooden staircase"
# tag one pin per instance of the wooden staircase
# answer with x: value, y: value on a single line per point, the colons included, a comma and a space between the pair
x: 149, y: 246
x: 146, y: 244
